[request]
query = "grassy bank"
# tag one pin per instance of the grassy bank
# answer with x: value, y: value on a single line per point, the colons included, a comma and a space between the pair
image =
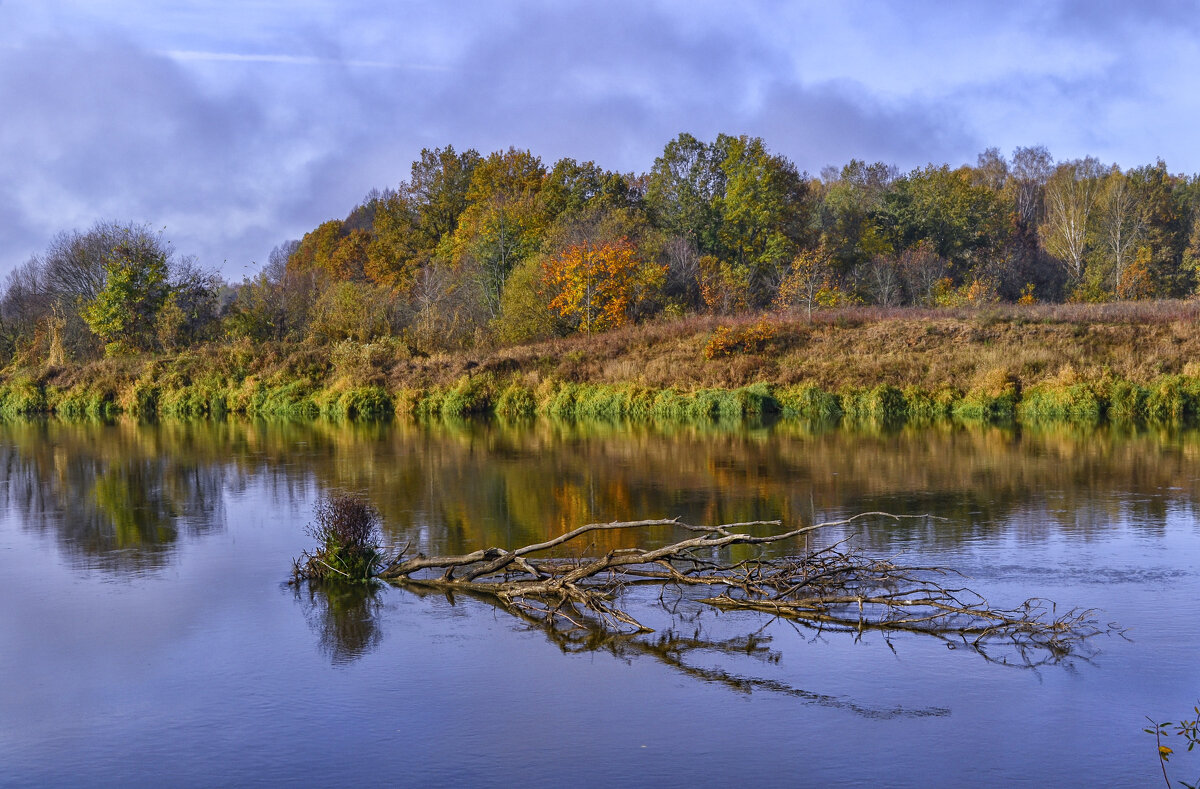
x: 1130, y: 362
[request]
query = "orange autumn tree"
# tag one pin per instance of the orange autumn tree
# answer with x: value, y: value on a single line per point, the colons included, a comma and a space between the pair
x: 594, y: 284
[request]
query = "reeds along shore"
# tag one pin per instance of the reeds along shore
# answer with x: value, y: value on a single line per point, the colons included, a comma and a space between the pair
x: 1080, y: 366
x: 1168, y: 399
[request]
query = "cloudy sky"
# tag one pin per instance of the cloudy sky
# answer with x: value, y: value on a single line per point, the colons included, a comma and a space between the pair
x: 237, y: 125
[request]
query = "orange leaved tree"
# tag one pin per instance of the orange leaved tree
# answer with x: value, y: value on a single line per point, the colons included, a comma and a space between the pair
x: 594, y: 284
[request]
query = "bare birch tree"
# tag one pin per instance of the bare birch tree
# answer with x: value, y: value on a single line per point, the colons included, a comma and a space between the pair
x: 1071, y: 195
x: 1123, y: 225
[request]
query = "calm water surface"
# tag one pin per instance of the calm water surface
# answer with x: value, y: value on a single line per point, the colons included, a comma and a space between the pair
x: 147, y: 637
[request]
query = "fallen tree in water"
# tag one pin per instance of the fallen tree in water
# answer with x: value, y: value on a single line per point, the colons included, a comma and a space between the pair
x: 830, y: 588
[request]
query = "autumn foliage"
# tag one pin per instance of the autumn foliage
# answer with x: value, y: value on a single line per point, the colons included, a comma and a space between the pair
x: 730, y: 341
x: 595, y: 284
x: 472, y: 251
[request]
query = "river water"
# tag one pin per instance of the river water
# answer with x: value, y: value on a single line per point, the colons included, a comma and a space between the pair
x: 147, y: 637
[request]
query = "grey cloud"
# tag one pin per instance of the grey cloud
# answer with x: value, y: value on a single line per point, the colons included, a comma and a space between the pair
x: 112, y: 130
x: 1119, y: 19
x: 107, y: 131
x: 833, y: 123
x: 659, y: 78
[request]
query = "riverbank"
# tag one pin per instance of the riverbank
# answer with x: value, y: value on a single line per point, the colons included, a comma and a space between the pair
x: 1137, y: 361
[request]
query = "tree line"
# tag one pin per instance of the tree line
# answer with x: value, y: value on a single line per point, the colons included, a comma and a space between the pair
x: 482, y: 250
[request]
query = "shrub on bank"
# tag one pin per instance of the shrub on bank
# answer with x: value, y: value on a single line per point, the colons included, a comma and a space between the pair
x: 993, y: 398
x: 1172, y: 399
x: 470, y: 396
x: 22, y: 397
x: 883, y: 403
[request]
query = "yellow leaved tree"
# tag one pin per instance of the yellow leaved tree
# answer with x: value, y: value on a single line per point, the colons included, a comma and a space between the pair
x: 595, y: 284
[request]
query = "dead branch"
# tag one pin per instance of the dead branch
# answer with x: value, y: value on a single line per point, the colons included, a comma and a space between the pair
x: 833, y: 588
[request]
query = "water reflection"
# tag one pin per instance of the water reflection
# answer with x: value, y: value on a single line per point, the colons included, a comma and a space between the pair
x: 115, y: 498
x: 686, y: 641
x: 344, y: 617
x: 120, y: 496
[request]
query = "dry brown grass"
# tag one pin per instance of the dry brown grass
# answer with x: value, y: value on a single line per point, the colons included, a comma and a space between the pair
x: 855, y: 347
x: 866, y: 346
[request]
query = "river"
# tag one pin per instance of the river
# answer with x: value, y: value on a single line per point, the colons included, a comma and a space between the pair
x: 148, y: 637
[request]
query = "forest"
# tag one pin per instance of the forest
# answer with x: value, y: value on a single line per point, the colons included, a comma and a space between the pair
x: 483, y: 251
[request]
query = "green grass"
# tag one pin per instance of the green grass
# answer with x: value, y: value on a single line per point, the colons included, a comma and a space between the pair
x: 516, y: 401
x: 1078, y: 402
x: 884, y: 404
x: 360, y: 402
x: 22, y: 397
x: 810, y: 403
x: 1172, y: 399
x: 470, y: 396
x: 87, y: 405
x: 1127, y: 402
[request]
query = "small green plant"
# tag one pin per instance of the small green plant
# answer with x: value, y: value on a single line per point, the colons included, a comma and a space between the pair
x: 349, y: 548
x: 1188, y: 729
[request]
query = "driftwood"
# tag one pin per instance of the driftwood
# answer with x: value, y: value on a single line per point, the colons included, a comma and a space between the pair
x: 833, y: 588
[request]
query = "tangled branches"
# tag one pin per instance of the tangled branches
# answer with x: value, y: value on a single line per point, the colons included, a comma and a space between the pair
x: 830, y: 589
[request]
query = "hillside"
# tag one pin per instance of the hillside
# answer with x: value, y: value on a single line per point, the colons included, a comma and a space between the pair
x: 1071, y: 361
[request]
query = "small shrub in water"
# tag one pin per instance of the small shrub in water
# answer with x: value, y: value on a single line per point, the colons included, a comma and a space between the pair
x: 347, y: 533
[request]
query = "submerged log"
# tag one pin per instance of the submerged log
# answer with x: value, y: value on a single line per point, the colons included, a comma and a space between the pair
x: 832, y: 588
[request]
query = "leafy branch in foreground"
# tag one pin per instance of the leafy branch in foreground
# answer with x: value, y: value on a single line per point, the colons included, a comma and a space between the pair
x: 831, y: 588
x: 1188, y: 729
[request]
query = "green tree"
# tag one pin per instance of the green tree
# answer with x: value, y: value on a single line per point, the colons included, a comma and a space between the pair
x: 735, y: 201
x: 524, y: 316
x: 124, y: 313
x: 961, y: 221
x: 439, y: 191
x: 1118, y: 227
x: 1165, y: 201
x: 395, y: 250
x: 190, y: 313
x: 350, y: 311
x: 764, y: 212
x: 684, y: 190
x: 415, y: 224
x: 502, y: 225
x: 849, y: 209
x: 572, y: 189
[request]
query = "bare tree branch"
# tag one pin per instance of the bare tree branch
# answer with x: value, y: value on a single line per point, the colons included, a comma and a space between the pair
x: 833, y: 588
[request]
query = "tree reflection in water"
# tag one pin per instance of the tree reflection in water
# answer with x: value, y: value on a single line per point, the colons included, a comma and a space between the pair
x: 344, y: 617
x: 119, y: 496
x: 683, y: 646
x: 110, y: 495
